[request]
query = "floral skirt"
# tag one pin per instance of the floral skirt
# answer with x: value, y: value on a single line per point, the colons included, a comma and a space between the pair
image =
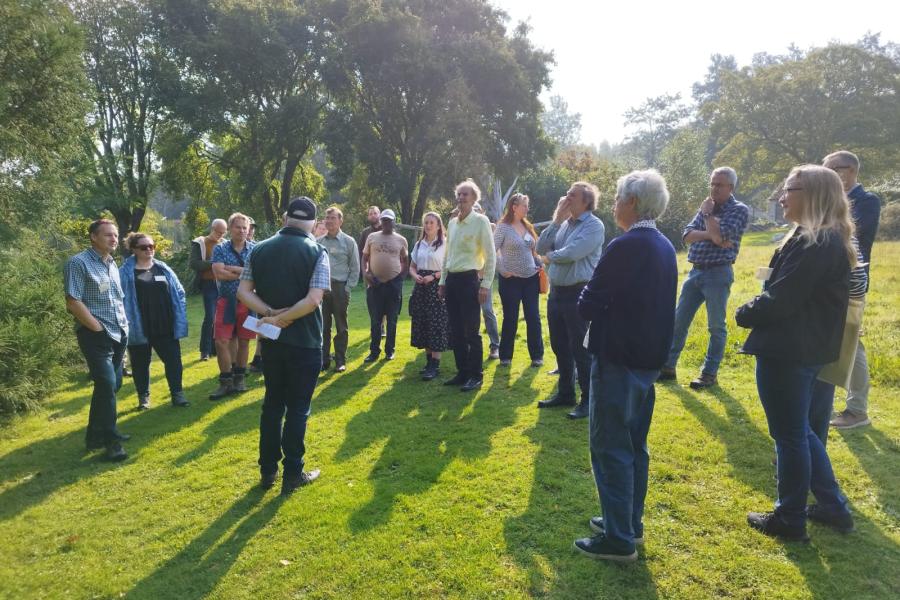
x: 430, y: 328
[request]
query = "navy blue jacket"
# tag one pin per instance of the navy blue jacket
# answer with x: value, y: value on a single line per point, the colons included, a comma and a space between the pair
x: 865, y: 208
x: 630, y: 300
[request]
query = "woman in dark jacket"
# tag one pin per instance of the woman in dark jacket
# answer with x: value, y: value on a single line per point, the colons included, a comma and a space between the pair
x: 796, y: 327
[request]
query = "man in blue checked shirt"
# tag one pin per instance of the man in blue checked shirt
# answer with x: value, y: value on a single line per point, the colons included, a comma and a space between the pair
x: 94, y: 297
x: 715, y: 240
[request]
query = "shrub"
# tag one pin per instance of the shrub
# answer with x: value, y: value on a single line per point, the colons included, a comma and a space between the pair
x: 889, y: 227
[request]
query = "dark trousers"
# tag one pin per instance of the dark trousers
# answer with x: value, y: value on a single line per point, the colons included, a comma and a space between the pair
x: 169, y: 351
x: 383, y: 301
x: 524, y: 291
x: 210, y: 293
x: 567, y: 331
x: 290, y: 374
x: 104, y: 360
x: 785, y: 390
x: 464, y: 315
x: 334, y: 309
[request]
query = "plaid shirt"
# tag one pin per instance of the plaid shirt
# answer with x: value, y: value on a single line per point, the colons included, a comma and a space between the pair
x: 321, y: 277
x: 95, y: 282
x: 733, y: 218
x: 225, y: 253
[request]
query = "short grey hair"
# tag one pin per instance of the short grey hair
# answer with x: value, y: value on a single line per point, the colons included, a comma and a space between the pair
x: 843, y: 155
x: 304, y: 224
x: 649, y: 188
x: 217, y: 222
x: 728, y: 172
x: 471, y: 185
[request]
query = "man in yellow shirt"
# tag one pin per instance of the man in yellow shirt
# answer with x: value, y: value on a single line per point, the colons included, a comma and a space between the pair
x: 470, y: 249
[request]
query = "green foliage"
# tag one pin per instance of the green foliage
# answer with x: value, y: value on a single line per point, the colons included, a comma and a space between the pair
x: 561, y: 126
x: 682, y: 163
x: 889, y: 226
x: 656, y: 122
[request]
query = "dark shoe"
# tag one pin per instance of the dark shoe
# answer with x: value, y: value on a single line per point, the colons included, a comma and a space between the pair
x: 704, y: 381
x: 126, y: 372
x: 388, y: 356
x: 225, y: 388
x: 600, y: 548
x: 289, y: 484
x: 372, y: 357
x: 122, y: 437
x: 597, y: 526
x: 115, y: 452
x: 255, y: 367
x: 771, y: 524
x: 267, y: 480
x: 494, y: 354
x: 556, y: 401
x: 204, y: 357
x: 554, y: 371
x: 842, y: 523
x: 239, y: 385
x: 325, y: 365
x: 143, y: 401
x: 432, y: 371
x: 427, y: 367
x: 580, y: 412
x: 179, y: 400
x: 340, y: 368
x: 472, y: 384
x: 458, y: 379
x: 667, y: 374
x: 537, y: 363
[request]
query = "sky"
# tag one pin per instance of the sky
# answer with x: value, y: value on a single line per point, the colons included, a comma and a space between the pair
x: 611, y: 56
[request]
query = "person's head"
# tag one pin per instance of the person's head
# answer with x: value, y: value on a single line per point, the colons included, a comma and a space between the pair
x: 432, y: 228
x: 301, y: 214
x: 467, y: 194
x: 334, y: 218
x: 373, y: 216
x: 582, y: 197
x: 104, y: 236
x: 722, y: 183
x: 217, y: 229
x: 846, y: 165
x: 387, y: 221
x: 140, y: 245
x: 640, y: 196
x: 813, y: 197
x: 238, y: 227
x: 251, y: 231
x: 517, y: 212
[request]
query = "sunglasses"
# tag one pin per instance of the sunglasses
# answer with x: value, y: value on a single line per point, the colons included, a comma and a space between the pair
x: 146, y: 247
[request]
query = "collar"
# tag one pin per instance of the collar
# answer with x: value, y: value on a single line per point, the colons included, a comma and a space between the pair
x: 96, y: 256
x: 580, y: 218
x: 856, y: 189
x: 644, y: 224
x: 725, y: 205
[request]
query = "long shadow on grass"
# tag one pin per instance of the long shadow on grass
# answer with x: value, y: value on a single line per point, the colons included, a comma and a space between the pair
x: 562, y: 499
x: 749, y: 449
x: 426, y: 430
x: 880, y: 457
x: 197, y: 569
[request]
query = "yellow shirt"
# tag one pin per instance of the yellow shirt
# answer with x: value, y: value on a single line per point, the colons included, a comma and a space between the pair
x: 470, y: 247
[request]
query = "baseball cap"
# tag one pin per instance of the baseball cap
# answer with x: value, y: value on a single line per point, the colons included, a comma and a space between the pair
x: 388, y: 214
x: 301, y: 208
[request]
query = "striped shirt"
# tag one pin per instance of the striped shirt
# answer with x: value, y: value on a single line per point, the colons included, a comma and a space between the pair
x: 516, y: 251
x: 95, y: 282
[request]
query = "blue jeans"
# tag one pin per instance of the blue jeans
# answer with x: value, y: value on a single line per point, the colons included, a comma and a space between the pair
x: 169, y: 351
x: 104, y: 360
x: 567, y: 331
x: 621, y: 408
x: 785, y: 390
x: 524, y: 291
x: 210, y: 293
x: 820, y: 407
x: 711, y: 286
x: 290, y: 374
x: 490, y: 321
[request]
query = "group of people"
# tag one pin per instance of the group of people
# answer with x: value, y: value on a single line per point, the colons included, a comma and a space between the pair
x: 614, y: 324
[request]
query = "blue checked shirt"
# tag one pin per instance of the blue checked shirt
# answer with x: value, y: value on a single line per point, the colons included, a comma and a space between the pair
x: 224, y: 253
x: 321, y: 277
x: 733, y: 218
x: 95, y: 282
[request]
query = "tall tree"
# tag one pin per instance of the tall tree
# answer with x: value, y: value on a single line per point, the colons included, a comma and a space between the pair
x: 563, y: 127
x: 655, y: 122
x: 436, y: 90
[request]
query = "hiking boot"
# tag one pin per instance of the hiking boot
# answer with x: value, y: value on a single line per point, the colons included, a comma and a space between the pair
x: 494, y: 354
x: 143, y: 401
x: 704, y: 381
x: 667, y: 374
x: 772, y: 525
x: 289, y: 484
x: 179, y: 400
x: 433, y: 371
x: 238, y: 383
x: 846, y: 419
x: 597, y: 526
x: 842, y: 522
x: 115, y: 452
x: 599, y: 547
x: 580, y: 412
x: 427, y: 367
x: 225, y: 388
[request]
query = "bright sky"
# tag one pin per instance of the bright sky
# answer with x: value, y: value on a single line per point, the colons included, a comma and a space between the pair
x: 611, y: 56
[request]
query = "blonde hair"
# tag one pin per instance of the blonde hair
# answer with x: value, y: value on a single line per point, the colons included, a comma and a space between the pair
x: 334, y: 210
x: 237, y: 217
x: 824, y: 210
x: 507, y: 217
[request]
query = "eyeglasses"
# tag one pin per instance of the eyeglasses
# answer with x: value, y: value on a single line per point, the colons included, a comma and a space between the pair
x: 792, y: 189
x: 840, y: 167
x: 146, y: 247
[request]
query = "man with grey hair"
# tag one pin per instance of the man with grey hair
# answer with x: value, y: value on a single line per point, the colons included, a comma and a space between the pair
x: 571, y: 247
x: 205, y: 281
x: 865, y: 208
x: 631, y: 319
x: 715, y: 240
x: 284, y: 279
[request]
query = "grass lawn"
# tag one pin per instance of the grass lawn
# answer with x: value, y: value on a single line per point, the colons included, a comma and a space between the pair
x: 429, y: 492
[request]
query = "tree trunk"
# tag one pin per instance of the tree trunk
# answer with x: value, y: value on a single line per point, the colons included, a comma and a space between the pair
x: 287, y: 181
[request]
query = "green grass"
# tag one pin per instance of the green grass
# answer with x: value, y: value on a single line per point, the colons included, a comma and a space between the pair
x: 428, y: 492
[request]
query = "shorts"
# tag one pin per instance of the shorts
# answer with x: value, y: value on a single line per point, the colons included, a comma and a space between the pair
x: 226, y: 331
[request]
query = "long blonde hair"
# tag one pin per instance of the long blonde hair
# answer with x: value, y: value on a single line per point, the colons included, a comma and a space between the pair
x: 825, y: 208
x: 507, y: 218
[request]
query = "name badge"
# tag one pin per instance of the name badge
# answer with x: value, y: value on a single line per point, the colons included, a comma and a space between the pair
x: 763, y: 273
x: 161, y: 278
x: 103, y: 287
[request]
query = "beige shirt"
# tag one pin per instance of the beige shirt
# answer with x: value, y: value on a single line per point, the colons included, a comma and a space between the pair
x: 384, y: 252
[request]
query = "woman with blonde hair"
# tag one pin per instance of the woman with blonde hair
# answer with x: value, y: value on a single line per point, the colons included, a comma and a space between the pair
x: 428, y: 312
x: 796, y: 327
x: 518, y: 264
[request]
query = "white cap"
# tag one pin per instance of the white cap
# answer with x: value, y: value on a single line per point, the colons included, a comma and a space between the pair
x: 388, y: 214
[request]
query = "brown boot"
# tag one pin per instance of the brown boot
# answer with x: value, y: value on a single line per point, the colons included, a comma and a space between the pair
x: 225, y: 387
x: 238, y: 381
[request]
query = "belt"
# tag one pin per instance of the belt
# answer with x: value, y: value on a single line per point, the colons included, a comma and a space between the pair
x: 703, y: 267
x: 575, y: 287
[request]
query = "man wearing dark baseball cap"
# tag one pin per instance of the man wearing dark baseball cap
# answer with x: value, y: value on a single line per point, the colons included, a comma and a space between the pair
x: 284, y: 280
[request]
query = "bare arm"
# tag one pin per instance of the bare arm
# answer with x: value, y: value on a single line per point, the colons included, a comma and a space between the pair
x: 81, y: 312
x: 224, y: 273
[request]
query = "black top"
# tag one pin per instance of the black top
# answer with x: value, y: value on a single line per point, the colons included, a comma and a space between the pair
x: 154, y: 302
x: 799, y: 317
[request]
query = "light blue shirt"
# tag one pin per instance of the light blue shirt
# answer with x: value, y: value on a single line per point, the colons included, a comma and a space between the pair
x: 572, y: 248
